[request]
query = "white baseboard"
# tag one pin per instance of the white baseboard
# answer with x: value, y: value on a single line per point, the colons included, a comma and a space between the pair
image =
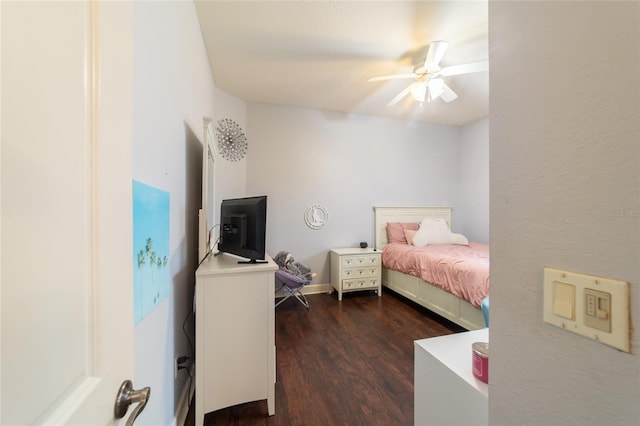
x: 309, y: 289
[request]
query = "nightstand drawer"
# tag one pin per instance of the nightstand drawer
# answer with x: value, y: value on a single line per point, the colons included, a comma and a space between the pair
x: 361, y: 260
x: 373, y: 271
x: 360, y: 284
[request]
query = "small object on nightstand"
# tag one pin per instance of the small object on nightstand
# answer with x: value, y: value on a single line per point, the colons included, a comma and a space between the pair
x: 364, y: 244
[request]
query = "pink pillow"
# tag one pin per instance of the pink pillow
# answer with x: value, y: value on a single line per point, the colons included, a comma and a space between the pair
x: 395, y: 231
x: 409, y: 233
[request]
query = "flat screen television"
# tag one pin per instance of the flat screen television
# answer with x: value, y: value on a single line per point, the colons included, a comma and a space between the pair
x: 243, y: 227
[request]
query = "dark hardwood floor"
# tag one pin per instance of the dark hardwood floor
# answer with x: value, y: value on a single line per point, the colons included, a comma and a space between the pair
x: 341, y: 363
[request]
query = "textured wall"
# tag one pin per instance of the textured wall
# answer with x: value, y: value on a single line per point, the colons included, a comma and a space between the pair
x: 472, y: 208
x: 564, y: 126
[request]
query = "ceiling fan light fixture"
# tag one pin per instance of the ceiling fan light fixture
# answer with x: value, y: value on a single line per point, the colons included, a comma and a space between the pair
x: 436, y: 87
x: 428, y: 85
x: 419, y: 91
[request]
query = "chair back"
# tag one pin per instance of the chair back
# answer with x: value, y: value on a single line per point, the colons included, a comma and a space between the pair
x: 290, y: 280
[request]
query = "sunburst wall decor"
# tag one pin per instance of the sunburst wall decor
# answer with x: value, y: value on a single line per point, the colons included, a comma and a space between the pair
x: 232, y: 143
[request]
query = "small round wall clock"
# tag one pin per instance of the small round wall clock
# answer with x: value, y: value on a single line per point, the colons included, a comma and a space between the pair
x: 316, y: 216
x: 232, y: 143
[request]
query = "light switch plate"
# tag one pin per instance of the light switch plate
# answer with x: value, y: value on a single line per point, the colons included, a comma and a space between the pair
x: 607, y: 298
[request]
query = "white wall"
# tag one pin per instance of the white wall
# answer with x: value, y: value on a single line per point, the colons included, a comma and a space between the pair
x: 565, y: 193
x: 231, y: 176
x: 472, y: 208
x: 173, y: 91
x: 348, y: 163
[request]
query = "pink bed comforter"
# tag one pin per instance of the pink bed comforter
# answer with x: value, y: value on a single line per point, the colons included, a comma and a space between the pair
x: 460, y: 270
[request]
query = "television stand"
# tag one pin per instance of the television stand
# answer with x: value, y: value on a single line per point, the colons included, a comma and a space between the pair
x: 235, y: 335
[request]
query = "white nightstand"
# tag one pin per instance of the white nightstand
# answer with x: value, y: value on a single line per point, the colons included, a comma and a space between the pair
x: 355, y: 269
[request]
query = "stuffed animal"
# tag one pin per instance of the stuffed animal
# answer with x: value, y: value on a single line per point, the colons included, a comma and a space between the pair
x: 285, y: 261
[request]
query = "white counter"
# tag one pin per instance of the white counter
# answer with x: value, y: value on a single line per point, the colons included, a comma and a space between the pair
x: 445, y: 390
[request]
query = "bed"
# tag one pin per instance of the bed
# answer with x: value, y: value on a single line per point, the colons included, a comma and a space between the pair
x: 457, y: 305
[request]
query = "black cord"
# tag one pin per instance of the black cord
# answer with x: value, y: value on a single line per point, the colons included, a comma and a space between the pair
x: 210, y: 248
x: 217, y: 241
x: 203, y: 259
x: 184, y: 330
x: 184, y: 359
x: 190, y: 380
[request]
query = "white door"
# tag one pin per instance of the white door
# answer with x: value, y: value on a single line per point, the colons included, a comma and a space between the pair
x: 66, y: 228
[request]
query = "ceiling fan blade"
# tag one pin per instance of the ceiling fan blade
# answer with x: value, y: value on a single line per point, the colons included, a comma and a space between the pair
x: 435, y: 53
x: 465, y: 68
x: 447, y: 94
x: 401, y: 95
x: 391, y: 77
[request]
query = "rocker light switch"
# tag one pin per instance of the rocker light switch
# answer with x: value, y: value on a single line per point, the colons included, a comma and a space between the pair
x: 564, y: 300
x: 592, y: 306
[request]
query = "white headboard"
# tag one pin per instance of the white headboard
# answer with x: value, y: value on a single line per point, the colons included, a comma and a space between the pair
x: 383, y: 214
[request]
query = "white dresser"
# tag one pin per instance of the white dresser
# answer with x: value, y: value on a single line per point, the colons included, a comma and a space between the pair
x: 445, y: 390
x: 355, y: 269
x: 235, y: 334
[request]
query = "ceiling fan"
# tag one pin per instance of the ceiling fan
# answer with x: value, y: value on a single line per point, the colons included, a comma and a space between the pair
x: 428, y: 84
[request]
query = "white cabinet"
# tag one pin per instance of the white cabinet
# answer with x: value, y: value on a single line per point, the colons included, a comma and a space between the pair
x: 445, y: 390
x: 235, y: 334
x: 354, y: 269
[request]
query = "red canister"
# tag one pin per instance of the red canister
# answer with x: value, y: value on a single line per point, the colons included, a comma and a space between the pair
x: 480, y: 366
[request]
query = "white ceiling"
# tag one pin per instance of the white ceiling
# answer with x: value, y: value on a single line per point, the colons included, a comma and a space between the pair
x: 319, y: 54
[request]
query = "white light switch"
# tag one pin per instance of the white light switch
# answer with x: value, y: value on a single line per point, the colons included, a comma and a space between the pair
x: 564, y: 300
x: 595, y: 307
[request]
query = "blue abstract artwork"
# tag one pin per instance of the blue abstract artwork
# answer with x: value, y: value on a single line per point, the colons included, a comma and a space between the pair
x: 150, y: 249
